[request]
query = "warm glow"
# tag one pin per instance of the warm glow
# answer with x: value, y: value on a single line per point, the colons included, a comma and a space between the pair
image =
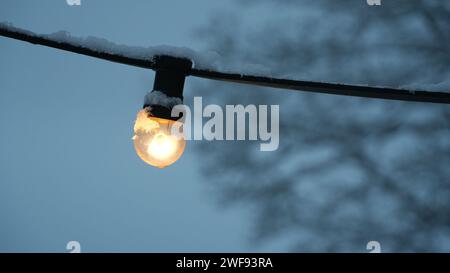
x: 154, y: 142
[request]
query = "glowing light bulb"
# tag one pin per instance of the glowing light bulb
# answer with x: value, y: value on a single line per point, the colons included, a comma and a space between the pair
x: 154, y: 142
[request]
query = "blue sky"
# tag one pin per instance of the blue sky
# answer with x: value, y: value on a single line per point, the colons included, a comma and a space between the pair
x: 68, y: 169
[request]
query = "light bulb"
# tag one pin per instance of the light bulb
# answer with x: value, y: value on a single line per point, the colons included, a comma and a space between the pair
x: 154, y: 142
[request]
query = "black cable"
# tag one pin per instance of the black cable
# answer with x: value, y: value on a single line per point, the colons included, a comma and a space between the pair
x: 42, y: 40
x: 318, y: 87
x: 328, y: 88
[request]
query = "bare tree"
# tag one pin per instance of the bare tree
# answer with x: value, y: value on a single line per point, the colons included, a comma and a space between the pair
x: 347, y: 170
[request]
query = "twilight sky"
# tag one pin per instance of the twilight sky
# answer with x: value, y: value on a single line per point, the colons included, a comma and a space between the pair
x: 68, y: 169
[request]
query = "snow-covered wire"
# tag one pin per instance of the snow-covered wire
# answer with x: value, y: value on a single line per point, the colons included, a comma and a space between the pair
x: 143, y: 57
